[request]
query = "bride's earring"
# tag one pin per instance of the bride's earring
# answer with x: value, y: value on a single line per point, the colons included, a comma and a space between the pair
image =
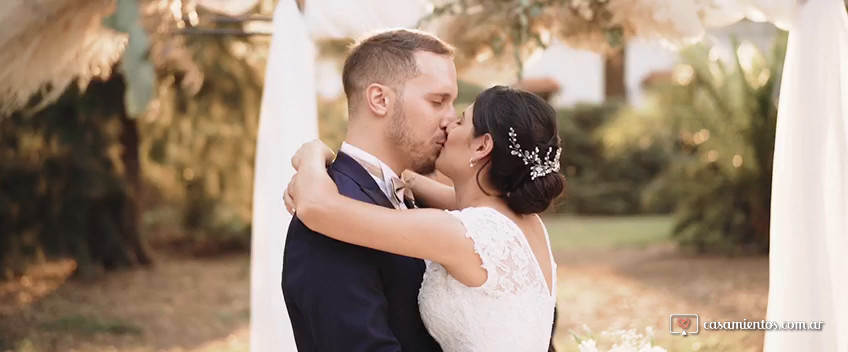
x: 471, y: 163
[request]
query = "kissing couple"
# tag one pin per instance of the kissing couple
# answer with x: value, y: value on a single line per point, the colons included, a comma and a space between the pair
x: 379, y: 257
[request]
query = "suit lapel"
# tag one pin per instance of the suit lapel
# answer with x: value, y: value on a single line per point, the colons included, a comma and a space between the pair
x: 377, y: 196
x: 348, y: 166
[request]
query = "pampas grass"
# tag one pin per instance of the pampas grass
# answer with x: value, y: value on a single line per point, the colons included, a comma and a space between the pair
x: 48, y: 44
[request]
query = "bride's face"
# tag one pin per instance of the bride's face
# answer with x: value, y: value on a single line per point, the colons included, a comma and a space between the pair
x: 459, y: 147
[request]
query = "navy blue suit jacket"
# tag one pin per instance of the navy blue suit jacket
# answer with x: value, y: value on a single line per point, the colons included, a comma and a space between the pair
x: 346, y: 298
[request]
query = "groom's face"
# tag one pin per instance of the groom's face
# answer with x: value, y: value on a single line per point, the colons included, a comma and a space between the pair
x: 425, y: 110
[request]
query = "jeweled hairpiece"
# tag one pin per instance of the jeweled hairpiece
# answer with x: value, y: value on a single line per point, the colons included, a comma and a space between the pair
x: 538, y: 167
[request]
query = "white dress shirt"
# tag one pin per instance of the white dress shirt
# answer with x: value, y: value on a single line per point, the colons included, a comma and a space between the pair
x: 384, y: 180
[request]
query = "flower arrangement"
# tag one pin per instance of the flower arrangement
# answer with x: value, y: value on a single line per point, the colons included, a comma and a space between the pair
x: 621, y: 341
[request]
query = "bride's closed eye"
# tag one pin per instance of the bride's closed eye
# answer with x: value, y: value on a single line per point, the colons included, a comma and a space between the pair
x: 455, y: 123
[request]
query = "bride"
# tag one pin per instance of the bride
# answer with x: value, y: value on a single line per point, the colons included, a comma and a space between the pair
x: 490, y: 282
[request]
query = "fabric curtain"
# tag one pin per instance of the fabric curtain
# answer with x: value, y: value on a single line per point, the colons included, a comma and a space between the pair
x: 809, y: 213
x: 287, y: 119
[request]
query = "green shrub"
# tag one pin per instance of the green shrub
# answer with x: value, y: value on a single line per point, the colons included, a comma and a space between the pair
x: 603, y: 179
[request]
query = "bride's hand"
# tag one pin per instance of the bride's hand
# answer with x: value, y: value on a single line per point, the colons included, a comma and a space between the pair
x: 310, y: 161
x: 313, y: 151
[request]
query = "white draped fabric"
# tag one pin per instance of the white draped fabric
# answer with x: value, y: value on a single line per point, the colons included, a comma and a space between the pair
x: 288, y: 118
x: 809, y: 213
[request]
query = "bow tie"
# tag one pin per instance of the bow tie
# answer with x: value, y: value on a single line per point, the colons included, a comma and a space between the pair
x: 401, y: 191
x: 398, y: 186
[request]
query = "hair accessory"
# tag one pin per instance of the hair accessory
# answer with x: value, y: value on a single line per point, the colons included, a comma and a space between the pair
x: 538, y: 166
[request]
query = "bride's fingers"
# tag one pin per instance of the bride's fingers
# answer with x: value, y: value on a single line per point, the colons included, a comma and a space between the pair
x: 309, y: 151
x: 288, y: 198
x: 289, y: 202
x: 295, y: 160
x: 323, y: 150
x: 329, y: 156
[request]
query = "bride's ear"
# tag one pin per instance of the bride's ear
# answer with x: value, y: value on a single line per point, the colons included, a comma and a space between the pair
x: 483, y: 146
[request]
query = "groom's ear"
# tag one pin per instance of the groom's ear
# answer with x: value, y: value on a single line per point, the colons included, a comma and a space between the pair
x: 378, y: 98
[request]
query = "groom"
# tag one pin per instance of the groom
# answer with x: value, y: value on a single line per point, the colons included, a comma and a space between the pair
x: 400, y: 87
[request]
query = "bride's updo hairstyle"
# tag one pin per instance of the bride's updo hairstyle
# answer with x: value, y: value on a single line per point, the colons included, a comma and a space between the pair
x: 520, y: 122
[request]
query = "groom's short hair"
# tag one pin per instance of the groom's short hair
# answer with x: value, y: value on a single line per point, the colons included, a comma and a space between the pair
x: 388, y: 58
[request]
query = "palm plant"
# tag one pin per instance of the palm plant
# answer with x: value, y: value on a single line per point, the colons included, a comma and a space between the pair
x: 724, y: 116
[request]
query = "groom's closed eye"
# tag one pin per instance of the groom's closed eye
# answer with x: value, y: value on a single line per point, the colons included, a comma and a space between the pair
x: 439, y: 99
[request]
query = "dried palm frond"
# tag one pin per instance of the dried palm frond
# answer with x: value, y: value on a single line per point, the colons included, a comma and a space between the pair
x: 47, y: 44
x: 168, y: 52
x: 677, y: 22
x: 479, y: 28
x: 511, y: 31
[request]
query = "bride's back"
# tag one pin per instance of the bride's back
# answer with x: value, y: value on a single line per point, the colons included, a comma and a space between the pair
x: 537, y: 237
x: 512, y: 310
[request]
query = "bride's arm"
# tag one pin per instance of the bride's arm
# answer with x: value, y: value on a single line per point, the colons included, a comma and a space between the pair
x: 421, y: 233
x: 431, y: 192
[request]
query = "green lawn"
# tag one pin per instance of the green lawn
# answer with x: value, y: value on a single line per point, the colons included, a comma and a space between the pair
x: 569, y: 232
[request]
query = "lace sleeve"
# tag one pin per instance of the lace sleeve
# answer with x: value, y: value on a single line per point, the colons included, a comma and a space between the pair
x: 509, y: 266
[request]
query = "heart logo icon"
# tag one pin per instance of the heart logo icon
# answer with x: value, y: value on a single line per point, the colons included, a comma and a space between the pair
x: 684, y: 323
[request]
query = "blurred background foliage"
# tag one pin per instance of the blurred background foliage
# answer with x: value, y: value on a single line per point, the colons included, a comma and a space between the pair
x: 86, y: 179
x: 605, y: 179
x: 701, y: 148
x: 198, y: 146
x: 67, y: 185
x: 720, y: 174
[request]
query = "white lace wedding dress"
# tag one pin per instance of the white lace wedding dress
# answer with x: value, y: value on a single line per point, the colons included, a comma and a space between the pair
x: 512, y: 311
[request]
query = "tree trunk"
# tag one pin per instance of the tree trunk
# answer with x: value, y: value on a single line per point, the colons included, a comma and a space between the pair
x: 614, y: 84
x: 132, y: 172
x: 113, y: 234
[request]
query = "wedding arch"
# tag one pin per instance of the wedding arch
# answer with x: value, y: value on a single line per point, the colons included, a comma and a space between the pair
x: 809, y: 222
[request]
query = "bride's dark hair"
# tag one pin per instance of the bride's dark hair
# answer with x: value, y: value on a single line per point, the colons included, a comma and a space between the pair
x: 496, y: 111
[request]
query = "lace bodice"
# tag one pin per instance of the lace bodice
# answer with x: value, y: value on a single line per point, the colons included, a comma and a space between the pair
x: 512, y: 311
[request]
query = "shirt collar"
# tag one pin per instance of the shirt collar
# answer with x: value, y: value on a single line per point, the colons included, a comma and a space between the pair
x: 364, y: 156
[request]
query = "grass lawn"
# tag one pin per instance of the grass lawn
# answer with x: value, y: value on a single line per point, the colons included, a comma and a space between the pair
x: 569, y: 232
x: 626, y: 272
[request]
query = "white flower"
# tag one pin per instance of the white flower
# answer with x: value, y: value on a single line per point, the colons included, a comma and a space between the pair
x: 623, y: 341
x: 649, y: 348
x: 588, y: 346
x: 623, y: 348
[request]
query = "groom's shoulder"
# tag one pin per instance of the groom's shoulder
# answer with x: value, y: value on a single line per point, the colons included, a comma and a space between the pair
x: 301, y: 239
x: 348, y: 186
x: 350, y: 177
